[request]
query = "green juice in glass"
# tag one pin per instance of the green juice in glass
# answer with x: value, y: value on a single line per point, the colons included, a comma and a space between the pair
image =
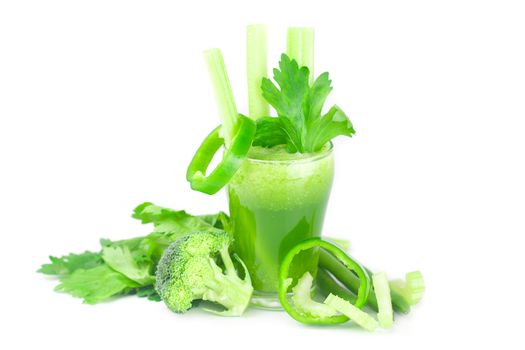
x: 278, y: 199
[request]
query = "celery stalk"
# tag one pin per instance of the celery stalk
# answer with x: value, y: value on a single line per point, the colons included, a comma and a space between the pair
x: 355, y: 314
x: 351, y: 281
x: 256, y: 70
x: 300, y: 47
x: 416, y: 285
x: 384, y: 302
x: 327, y: 284
x: 223, y: 93
x: 303, y: 301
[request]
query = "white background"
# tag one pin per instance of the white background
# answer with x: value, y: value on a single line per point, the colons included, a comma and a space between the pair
x: 102, y: 104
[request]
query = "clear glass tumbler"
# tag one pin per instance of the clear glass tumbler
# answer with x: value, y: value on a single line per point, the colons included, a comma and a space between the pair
x: 276, y: 200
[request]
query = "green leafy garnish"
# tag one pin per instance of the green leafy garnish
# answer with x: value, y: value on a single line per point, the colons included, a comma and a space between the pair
x: 120, y: 259
x: 171, y: 221
x: 128, y: 266
x: 97, y: 284
x: 300, y: 123
x: 269, y: 133
x: 69, y: 263
x: 332, y: 124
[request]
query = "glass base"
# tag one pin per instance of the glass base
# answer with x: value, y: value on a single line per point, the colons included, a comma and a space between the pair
x: 266, y: 301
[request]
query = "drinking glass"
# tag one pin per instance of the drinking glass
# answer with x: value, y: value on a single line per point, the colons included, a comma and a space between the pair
x: 277, y: 200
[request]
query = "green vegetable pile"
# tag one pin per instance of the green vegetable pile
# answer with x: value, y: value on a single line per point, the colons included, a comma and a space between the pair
x: 188, y: 259
x: 128, y: 266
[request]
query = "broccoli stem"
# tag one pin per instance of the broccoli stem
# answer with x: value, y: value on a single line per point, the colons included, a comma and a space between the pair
x: 227, y: 288
x: 227, y: 261
x: 351, y: 281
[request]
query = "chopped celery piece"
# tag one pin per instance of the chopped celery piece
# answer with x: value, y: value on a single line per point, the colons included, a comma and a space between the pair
x: 256, y: 70
x: 384, y: 302
x: 302, y: 299
x: 399, y: 286
x: 358, y: 316
x: 342, y: 243
x: 412, y: 289
x: 223, y: 93
x: 300, y: 47
x: 416, y: 285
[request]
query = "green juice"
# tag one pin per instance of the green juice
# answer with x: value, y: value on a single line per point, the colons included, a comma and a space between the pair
x: 278, y: 199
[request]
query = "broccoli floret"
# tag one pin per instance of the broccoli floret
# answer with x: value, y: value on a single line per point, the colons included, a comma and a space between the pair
x: 188, y: 271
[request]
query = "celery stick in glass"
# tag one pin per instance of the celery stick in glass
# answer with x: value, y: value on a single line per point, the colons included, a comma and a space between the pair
x: 256, y: 70
x: 223, y: 93
x: 278, y: 196
x: 300, y: 47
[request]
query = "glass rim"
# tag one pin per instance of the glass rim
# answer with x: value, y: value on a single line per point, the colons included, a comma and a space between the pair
x: 312, y: 157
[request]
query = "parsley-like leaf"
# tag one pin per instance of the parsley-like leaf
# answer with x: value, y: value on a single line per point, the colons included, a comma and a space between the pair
x: 332, y: 124
x: 288, y: 99
x: 96, y: 284
x: 300, y: 124
x: 317, y: 95
x: 69, y: 263
x: 220, y: 220
x: 270, y: 132
x: 168, y: 220
x: 120, y: 259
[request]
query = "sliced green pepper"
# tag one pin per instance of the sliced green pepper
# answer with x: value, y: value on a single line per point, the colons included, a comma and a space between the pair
x: 231, y: 161
x: 352, y: 265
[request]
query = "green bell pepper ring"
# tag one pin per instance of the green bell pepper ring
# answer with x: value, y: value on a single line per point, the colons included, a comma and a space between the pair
x: 231, y: 161
x: 285, y: 281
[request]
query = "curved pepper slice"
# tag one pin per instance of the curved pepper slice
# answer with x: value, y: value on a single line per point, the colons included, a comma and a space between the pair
x: 285, y: 281
x: 231, y: 161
